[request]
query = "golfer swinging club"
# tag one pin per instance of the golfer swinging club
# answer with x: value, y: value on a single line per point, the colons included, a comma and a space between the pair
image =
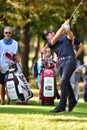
x: 61, y: 44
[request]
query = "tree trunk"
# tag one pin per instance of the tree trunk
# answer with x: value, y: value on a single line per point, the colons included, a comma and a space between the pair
x: 25, y: 38
x: 36, y: 51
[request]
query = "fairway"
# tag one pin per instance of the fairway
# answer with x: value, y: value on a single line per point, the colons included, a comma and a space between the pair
x: 34, y: 116
x: 52, y: 34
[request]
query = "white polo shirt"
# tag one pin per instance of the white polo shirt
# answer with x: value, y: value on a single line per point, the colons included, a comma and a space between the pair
x: 10, y: 47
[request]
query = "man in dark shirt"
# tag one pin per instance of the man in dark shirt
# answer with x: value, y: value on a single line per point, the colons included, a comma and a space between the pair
x: 61, y: 44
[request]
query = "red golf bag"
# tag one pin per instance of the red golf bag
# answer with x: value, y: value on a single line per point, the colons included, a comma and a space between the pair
x: 48, y: 91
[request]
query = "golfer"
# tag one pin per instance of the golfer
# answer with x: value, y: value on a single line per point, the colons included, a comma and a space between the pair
x: 61, y: 44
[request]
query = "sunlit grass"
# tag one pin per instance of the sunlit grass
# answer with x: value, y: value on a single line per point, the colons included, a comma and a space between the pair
x: 34, y: 116
x: 37, y: 117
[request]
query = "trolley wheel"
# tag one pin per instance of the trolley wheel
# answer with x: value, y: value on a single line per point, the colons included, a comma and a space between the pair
x: 22, y: 103
x: 47, y: 103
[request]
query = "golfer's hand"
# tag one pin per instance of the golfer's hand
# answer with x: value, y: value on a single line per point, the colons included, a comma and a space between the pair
x: 67, y: 21
x: 66, y: 25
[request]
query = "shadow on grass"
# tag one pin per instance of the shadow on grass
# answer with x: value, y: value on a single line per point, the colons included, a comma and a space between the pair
x: 68, y: 120
x: 82, y: 105
x: 23, y: 110
x: 36, y: 108
x: 33, y: 107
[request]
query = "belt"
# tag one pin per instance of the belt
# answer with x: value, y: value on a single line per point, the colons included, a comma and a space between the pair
x: 65, y: 58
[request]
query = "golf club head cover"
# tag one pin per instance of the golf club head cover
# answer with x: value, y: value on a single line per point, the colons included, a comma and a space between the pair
x: 9, y: 55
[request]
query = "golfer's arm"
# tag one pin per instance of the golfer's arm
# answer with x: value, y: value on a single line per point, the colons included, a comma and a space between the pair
x: 61, y: 31
x: 57, y: 35
x: 80, y: 49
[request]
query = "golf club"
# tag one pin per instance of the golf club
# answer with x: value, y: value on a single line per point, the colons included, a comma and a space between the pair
x: 81, y: 2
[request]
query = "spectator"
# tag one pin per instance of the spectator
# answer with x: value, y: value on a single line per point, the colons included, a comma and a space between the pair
x: 83, y: 69
x: 11, y: 46
x: 38, y: 69
x: 75, y: 78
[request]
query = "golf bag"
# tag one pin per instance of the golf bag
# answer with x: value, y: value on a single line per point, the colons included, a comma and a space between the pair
x: 48, y: 91
x: 17, y: 86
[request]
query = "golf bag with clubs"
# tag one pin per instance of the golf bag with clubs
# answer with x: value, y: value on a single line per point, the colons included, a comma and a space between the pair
x: 48, y: 91
x: 17, y: 86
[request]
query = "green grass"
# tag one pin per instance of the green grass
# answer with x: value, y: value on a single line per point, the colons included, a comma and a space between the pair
x: 34, y: 116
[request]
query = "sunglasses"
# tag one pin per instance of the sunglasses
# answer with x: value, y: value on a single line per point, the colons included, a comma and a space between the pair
x: 7, y: 32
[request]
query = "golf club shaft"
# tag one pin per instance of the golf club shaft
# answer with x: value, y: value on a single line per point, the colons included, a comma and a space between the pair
x: 76, y: 9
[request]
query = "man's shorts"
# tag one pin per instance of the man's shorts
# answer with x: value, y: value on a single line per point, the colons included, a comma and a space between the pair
x: 2, y: 78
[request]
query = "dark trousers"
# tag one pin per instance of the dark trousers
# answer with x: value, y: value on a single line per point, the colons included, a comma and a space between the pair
x: 65, y: 69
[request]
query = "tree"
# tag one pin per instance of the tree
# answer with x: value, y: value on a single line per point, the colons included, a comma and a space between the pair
x: 30, y: 18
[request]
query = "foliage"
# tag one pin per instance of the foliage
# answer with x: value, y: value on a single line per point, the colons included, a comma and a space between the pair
x: 30, y: 18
